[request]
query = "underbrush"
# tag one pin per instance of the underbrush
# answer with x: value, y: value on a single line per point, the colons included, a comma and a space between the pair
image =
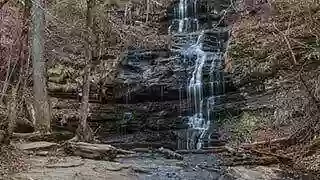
x: 243, y: 128
x: 282, y: 52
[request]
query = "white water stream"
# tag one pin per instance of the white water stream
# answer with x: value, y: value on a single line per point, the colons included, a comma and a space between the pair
x: 192, y: 36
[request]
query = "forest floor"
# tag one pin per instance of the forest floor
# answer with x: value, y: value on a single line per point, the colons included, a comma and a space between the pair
x: 141, y: 167
x: 40, y: 164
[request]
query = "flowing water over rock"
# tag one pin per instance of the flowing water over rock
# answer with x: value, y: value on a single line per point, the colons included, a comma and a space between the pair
x: 173, y: 96
x: 200, y: 45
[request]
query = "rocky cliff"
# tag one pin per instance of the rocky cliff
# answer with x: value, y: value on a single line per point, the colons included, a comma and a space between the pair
x: 148, y: 89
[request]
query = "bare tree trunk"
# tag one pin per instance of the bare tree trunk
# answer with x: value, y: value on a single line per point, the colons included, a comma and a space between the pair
x: 19, y: 79
x: 6, y: 82
x: 42, y: 106
x: 84, y: 132
x: 12, y: 113
x: 126, y: 14
x: 148, y: 11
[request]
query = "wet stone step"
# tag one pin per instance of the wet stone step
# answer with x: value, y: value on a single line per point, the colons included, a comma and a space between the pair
x: 213, y: 143
x: 202, y: 16
x: 212, y: 71
x: 209, y: 32
x: 214, y: 40
x: 184, y: 42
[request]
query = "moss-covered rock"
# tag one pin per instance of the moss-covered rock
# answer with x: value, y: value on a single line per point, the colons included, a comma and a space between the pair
x: 61, y: 74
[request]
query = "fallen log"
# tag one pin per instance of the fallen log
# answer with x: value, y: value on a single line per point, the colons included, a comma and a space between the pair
x: 52, y: 137
x: 36, y: 146
x: 282, y: 158
x: 169, y: 154
x: 266, y: 143
x: 94, y: 151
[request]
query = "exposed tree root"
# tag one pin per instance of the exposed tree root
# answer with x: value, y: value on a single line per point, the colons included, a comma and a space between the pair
x: 94, y: 151
x: 257, y: 149
x: 281, y: 158
x: 285, y: 140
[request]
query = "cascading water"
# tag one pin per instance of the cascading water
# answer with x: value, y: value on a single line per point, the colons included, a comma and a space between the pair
x: 197, y: 121
x: 200, y: 48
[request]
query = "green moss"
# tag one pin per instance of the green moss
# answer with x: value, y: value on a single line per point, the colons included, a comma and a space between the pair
x: 60, y: 74
x: 242, y: 127
x: 246, y: 125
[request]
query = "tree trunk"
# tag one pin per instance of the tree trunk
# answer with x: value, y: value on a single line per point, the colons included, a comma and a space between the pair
x: 42, y: 106
x: 84, y: 132
x: 16, y: 80
x: 148, y: 11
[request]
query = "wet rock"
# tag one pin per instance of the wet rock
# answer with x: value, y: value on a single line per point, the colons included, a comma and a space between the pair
x: 128, y: 117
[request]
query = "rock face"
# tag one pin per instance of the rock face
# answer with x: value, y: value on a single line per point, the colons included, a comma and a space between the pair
x: 150, y: 91
x: 163, y: 77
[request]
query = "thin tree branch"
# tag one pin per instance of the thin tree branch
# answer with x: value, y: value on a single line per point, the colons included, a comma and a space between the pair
x: 288, y: 44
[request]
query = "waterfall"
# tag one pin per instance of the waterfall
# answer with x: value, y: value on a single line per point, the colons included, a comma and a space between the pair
x: 196, y: 46
x: 197, y: 121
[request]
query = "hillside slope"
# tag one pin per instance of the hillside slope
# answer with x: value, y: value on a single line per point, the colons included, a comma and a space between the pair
x: 275, y: 52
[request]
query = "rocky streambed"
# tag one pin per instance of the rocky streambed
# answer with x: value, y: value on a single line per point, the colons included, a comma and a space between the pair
x: 144, y: 166
x: 163, y: 98
x: 48, y: 160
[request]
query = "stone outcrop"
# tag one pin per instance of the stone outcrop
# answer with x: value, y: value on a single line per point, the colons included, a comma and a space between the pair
x: 148, y: 91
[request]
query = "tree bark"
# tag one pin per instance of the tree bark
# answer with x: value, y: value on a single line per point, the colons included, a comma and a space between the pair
x: 42, y: 106
x: 2, y: 136
x: 12, y: 115
x: 148, y: 11
x: 84, y: 132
